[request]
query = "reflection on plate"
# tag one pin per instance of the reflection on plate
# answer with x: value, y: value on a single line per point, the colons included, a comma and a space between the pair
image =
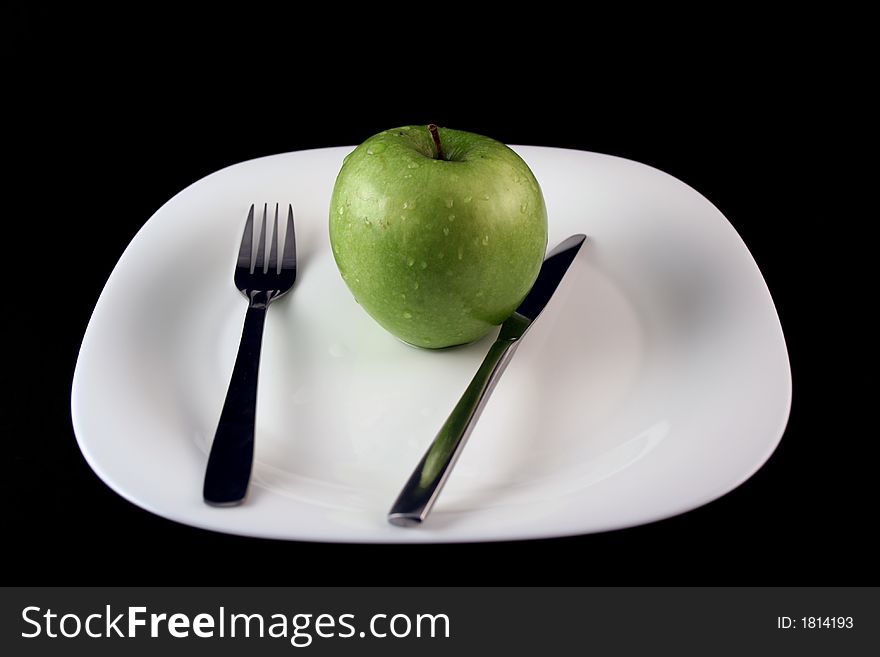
x: 656, y: 380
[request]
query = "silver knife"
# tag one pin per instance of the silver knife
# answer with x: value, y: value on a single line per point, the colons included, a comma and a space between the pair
x: 421, y: 491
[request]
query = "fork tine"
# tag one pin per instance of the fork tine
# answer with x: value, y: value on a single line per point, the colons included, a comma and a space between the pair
x: 273, y: 250
x: 259, y: 263
x: 288, y: 260
x: 247, y: 241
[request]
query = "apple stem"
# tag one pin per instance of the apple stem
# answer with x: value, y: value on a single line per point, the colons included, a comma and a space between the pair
x: 435, y: 133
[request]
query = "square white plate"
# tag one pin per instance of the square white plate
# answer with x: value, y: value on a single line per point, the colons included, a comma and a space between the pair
x: 656, y: 380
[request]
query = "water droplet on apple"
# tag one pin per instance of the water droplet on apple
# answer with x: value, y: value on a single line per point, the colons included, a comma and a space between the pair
x: 412, y: 165
x: 403, y: 296
x: 416, y: 285
x: 452, y: 217
x: 423, y: 265
x: 468, y: 199
x: 368, y: 223
x: 407, y: 128
x: 449, y: 202
x: 375, y: 148
x: 524, y: 207
x: 407, y: 315
x: 410, y: 262
x: 485, y: 197
x: 460, y: 253
x: 427, y: 340
x: 409, y: 175
x: 406, y: 205
x: 445, y: 230
x: 485, y: 240
x: 341, y: 211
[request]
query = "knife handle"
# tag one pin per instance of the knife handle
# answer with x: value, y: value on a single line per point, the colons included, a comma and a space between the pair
x: 419, y: 494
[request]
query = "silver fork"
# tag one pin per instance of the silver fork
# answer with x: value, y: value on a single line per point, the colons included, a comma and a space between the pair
x: 261, y: 282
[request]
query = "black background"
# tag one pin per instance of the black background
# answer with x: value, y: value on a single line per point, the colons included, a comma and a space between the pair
x: 109, y: 118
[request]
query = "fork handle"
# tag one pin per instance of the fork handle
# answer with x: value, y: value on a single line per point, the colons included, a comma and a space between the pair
x: 232, y: 453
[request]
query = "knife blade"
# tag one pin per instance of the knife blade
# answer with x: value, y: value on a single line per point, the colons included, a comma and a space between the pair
x: 420, y: 492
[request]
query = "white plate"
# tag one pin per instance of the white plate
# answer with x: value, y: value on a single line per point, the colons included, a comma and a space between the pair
x: 657, y: 379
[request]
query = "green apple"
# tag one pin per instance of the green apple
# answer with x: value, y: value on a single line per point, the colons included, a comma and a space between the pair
x: 438, y: 233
